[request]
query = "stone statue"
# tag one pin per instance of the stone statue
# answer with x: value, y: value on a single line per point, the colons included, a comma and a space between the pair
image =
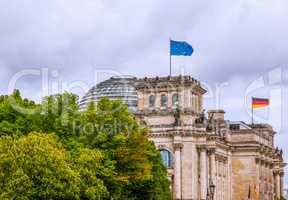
x: 201, y: 119
x: 177, y: 116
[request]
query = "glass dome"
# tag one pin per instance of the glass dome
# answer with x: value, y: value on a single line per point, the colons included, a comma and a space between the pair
x: 115, y: 88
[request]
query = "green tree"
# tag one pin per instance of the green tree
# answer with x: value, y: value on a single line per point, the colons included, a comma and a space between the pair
x: 18, y: 116
x: 93, y: 168
x: 138, y: 165
x: 36, y: 167
x: 101, y: 153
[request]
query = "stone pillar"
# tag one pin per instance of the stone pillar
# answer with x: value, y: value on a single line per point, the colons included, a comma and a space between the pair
x: 203, y: 173
x: 194, y: 169
x: 201, y: 103
x: 229, y: 175
x: 212, y: 165
x: 213, y: 169
x: 193, y: 101
x: 217, y: 180
x: 278, y: 185
x: 220, y: 184
x: 271, y: 181
x: 177, y: 171
x: 197, y: 104
x: 281, y: 183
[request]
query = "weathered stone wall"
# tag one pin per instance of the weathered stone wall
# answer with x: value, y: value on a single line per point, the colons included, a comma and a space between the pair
x: 232, y: 157
x: 159, y: 120
x: 188, y: 168
x: 243, y: 174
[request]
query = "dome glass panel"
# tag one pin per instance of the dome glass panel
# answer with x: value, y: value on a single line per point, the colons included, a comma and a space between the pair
x: 115, y: 88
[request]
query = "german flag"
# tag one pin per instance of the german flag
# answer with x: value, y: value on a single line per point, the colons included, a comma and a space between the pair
x: 259, y: 102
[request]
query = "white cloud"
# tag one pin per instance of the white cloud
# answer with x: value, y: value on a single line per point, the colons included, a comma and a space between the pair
x: 234, y: 41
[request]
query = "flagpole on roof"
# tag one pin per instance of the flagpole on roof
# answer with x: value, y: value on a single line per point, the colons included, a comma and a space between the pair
x: 170, y: 68
x: 178, y: 48
x: 252, y: 110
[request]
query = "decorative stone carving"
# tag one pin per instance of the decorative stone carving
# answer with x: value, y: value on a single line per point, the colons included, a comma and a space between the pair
x: 177, y: 117
x: 201, y: 119
x: 211, y: 151
x: 202, y: 148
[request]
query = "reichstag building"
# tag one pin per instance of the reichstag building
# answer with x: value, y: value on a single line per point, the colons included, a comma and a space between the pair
x: 204, y: 153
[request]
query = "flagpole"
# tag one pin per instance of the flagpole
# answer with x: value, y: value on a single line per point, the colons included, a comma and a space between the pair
x: 170, y: 68
x: 252, y: 110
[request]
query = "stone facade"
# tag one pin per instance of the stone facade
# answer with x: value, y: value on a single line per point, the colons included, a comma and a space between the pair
x: 234, y: 156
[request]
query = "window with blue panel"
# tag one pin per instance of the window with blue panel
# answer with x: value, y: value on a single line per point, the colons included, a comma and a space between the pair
x: 175, y: 100
x: 163, y: 100
x: 166, y: 157
x: 152, y: 100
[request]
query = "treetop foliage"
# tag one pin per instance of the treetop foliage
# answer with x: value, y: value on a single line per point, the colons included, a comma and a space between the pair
x: 52, y: 151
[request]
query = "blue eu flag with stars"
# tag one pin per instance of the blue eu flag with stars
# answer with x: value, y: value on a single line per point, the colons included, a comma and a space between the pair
x: 180, y: 48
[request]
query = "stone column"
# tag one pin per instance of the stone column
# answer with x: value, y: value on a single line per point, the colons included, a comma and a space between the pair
x: 278, y: 185
x: 200, y: 103
x: 177, y: 171
x: 220, y: 183
x: 272, y: 181
x: 212, y: 165
x: 203, y: 172
x: 194, y: 169
x: 217, y: 180
x: 281, y: 183
x: 193, y: 101
x: 197, y: 103
x: 213, y: 169
x: 229, y: 175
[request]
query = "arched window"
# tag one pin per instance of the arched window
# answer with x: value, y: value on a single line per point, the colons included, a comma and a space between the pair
x: 175, y: 100
x: 163, y: 100
x: 152, y: 100
x: 166, y: 157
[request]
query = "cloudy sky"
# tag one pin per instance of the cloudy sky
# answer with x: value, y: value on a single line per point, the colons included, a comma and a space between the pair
x: 241, y: 48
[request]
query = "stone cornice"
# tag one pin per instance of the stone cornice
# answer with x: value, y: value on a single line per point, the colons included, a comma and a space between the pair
x: 258, y: 132
x: 161, y: 134
x: 168, y: 82
x: 264, y: 161
x: 225, y: 146
x: 193, y: 133
x: 185, y: 130
x: 184, y: 127
x: 164, y: 112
